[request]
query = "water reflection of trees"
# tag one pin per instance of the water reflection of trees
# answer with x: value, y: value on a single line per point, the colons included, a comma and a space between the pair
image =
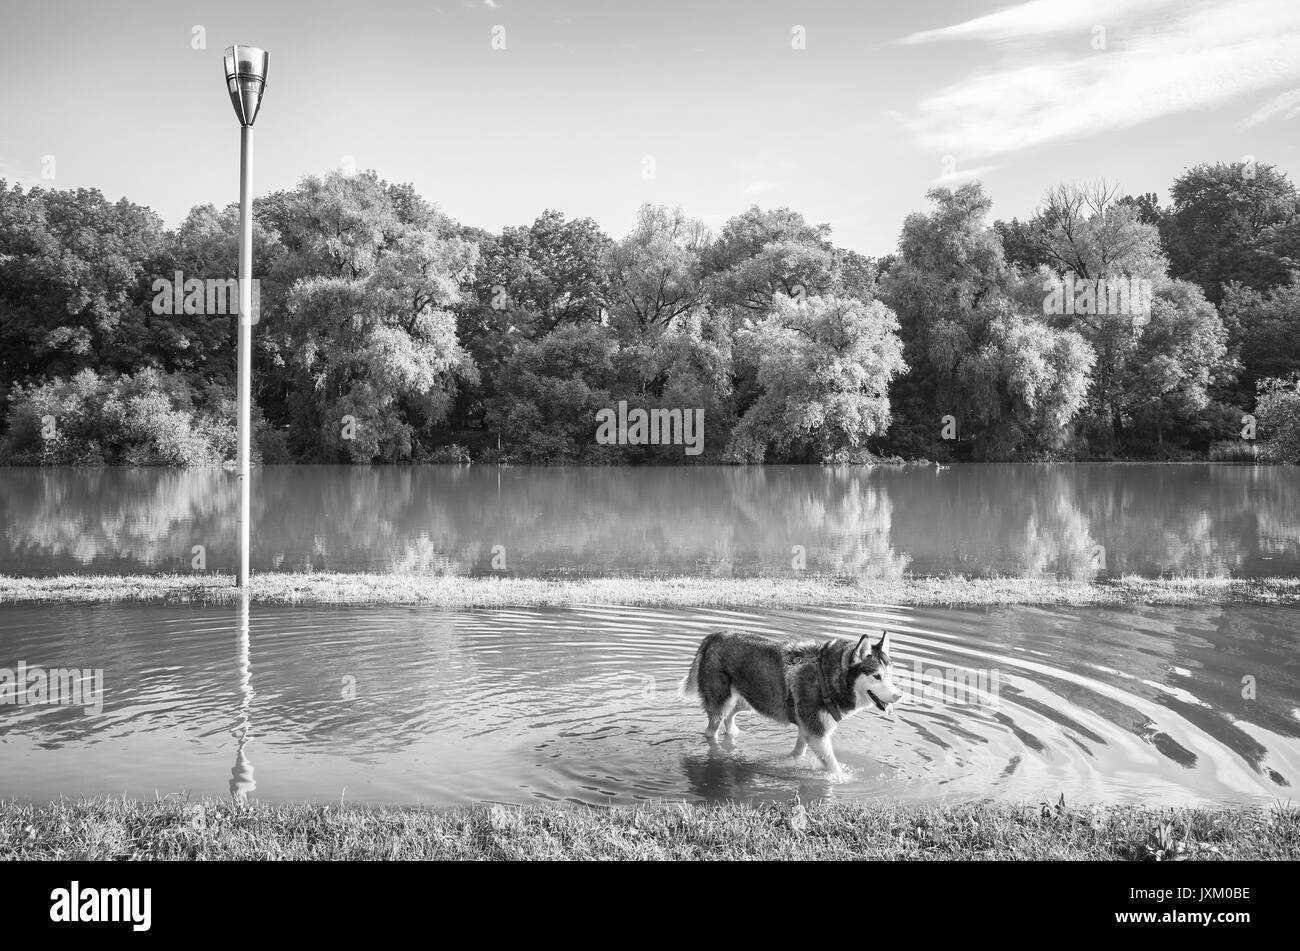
x: 1054, y: 521
x: 1196, y: 519
x: 1069, y: 520
x: 448, y: 520
x: 1024, y: 521
x: 66, y: 519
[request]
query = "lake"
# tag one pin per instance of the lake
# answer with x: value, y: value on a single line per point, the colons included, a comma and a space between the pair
x: 405, y: 704
x: 1065, y: 521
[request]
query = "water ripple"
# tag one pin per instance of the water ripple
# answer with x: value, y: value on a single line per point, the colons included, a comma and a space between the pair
x: 404, y: 704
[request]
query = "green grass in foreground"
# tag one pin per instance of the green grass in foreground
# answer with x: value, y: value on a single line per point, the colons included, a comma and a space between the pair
x: 174, y: 828
x: 462, y: 593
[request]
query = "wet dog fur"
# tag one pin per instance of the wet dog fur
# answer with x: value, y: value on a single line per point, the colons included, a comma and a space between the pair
x: 812, y: 685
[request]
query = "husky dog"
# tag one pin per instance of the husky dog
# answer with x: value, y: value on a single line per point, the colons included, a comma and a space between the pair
x: 810, y: 684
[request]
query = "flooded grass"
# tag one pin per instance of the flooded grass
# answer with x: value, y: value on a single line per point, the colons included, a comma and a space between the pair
x: 175, y: 828
x: 459, y: 593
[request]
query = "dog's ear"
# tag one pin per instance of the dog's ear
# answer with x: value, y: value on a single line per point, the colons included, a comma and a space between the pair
x: 860, y: 649
x: 882, y: 646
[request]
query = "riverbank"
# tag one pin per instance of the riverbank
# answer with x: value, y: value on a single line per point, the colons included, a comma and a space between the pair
x: 173, y: 828
x: 458, y: 593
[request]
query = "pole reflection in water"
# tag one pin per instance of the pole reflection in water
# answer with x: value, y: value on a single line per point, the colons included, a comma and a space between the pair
x: 241, y: 776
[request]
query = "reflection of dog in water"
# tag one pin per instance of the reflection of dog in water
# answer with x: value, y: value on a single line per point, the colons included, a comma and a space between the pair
x: 809, y: 684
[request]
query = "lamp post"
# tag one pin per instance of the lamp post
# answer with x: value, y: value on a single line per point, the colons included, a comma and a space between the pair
x: 245, y: 79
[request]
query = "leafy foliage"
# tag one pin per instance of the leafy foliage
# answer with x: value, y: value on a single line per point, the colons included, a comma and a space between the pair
x: 549, y: 392
x: 373, y: 341
x: 1233, y: 222
x: 1278, y: 411
x: 148, y: 419
x: 825, y: 366
x: 389, y: 333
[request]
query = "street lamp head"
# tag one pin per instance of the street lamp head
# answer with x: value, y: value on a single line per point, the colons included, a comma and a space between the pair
x: 246, y: 78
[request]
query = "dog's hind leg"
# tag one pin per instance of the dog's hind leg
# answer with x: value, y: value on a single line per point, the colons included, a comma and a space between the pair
x: 735, y: 704
x: 718, y: 710
x: 713, y: 685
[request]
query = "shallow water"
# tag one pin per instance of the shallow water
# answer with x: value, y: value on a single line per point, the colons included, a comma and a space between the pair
x: 1069, y: 521
x: 1138, y: 705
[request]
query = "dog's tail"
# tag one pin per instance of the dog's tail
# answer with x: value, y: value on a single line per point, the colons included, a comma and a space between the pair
x: 690, y: 684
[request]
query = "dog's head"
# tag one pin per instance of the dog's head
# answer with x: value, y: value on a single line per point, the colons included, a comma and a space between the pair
x: 871, y: 674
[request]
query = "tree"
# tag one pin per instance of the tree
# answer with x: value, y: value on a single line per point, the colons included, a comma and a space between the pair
x: 825, y: 366
x: 1176, y: 360
x: 858, y: 275
x: 982, y: 351
x: 1278, y: 410
x: 73, y: 279
x: 1084, y: 231
x: 1233, y: 222
x: 1147, y: 206
x: 372, y: 340
x: 1263, y: 330
x: 761, y: 253
x: 1020, y: 381
x: 549, y: 392
x: 337, y: 225
x: 528, y: 282
x: 1022, y: 245
x: 687, y: 366
x: 206, y: 247
x: 545, y: 274
x: 656, y: 272
x: 147, y: 419
x: 1105, y: 264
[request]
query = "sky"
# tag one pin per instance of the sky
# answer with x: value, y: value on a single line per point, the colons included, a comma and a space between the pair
x: 847, y: 112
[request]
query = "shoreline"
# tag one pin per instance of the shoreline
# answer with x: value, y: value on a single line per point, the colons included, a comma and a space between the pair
x: 176, y: 828
x: 466, y: 593
x: 883, y: 462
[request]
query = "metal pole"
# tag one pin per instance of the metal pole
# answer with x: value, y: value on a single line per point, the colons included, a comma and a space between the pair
x: 244, y: 352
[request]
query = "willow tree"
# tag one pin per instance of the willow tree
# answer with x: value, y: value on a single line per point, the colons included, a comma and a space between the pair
x: 369, y: 330
x: 985, y: 363
x: 824, y: 365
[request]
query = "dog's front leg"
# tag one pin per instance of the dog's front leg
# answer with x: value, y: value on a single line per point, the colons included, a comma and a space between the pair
x: 800, y: 746
x: 821, y: 747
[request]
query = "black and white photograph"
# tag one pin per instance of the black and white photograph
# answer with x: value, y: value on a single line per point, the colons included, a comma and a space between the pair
x: 651, y: 433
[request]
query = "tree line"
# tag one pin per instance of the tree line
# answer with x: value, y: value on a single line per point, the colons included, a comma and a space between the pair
x: 1104, y: 326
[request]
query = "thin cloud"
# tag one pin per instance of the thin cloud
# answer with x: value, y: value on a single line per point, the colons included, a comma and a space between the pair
x: 1040, y: 18
x: 1189, y: 60
x: 962, y: 175
x: 758, y: 188
x: 1285, y: 106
